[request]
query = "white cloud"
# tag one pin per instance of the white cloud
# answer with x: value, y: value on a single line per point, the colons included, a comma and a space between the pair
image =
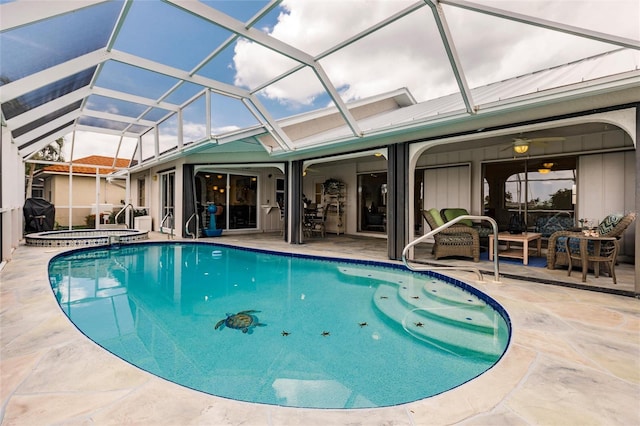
x: 90, y: 143
x: 409, y: 53
x: 224, y: 129
x: 193, y: 131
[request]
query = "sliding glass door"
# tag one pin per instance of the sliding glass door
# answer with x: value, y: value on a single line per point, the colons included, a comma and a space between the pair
x: 235, y: 195
x: 372, y: 202
x: 167, y: 200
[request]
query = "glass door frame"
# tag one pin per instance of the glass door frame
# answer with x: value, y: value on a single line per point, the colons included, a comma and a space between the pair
x: 240, y: 190
x: 167, y: 200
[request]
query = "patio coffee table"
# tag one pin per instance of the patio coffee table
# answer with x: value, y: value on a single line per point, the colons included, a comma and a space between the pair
x: 520, y: 251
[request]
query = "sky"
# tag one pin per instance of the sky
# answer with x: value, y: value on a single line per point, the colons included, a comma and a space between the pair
x: 491, y: 49
x: 407, y: 53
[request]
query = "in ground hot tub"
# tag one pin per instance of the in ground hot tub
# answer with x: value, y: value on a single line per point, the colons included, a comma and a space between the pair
x: 84, y: 237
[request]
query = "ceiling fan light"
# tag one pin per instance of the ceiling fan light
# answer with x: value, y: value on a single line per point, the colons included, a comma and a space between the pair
x: 544, y: 171
x: 520, y: 147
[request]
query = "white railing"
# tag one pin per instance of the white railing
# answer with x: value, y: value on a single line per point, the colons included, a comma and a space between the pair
x: 167, y: 216
x: 122, y: 211
x: 186, y: 226
x: 423, y: 238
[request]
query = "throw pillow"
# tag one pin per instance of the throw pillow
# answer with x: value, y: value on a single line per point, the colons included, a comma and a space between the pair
x: 436, y: 216
x: 609, y: 223
x: 450, y: 214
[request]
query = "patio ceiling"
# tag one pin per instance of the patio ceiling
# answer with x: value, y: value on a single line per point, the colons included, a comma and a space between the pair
x: 158, y: 75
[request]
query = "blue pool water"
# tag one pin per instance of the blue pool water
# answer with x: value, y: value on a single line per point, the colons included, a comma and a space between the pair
x: 336, y: 334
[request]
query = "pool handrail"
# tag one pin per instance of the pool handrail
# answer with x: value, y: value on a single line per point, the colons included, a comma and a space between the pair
x: 122, y: 211
x: 167, y: 216
x: 186, y: 226
x: 496, y: 267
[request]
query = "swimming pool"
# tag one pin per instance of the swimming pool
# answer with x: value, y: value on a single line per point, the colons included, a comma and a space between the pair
x: 332, y: 334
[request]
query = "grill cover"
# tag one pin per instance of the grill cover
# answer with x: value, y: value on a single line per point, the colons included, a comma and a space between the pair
x: 39, y: 215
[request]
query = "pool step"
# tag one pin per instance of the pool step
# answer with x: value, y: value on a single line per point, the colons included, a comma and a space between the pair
x: 380, y: 276
x: 467, y: 315
x: 446, y: 335
x: 434, y: 287
x: 434, y: 297
x: 441, y: 290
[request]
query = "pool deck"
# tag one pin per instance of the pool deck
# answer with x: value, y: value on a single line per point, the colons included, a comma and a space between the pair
x: 574, y: 360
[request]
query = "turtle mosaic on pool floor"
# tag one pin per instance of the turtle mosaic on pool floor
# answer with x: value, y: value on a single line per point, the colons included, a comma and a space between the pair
x: 243, y: 320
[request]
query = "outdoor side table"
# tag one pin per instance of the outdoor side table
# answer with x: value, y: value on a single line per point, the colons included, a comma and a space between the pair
x: 607, y: 253
x: 518, y: 252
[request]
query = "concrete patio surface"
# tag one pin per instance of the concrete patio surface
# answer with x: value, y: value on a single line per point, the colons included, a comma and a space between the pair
x: 574, y: 359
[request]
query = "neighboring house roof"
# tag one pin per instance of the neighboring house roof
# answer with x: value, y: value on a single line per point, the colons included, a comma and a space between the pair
x: 79, y: 167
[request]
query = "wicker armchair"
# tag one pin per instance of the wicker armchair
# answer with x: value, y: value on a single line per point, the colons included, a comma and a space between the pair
x: 457, y: 240
x: 556, y: 249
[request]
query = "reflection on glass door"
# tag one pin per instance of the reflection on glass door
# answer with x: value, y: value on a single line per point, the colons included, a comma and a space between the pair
x: 243, y: 201
x: 236, y: 198
x: 167, y: 200
x: 372, y: 202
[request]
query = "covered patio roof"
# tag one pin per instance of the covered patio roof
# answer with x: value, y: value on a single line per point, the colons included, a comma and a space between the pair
x: 139, y: 79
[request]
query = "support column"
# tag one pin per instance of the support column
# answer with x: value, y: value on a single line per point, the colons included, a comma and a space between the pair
x: 287, y: 204
x: 295, y: 202
x: 398, y: 200
x: 188, y: 199
x: 637, y: 221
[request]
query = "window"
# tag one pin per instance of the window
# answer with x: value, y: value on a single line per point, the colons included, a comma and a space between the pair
x: 37, y: 192
x: 142, y: 193
x: 533, y: 188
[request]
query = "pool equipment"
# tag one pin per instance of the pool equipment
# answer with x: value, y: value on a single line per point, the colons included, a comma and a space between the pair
x: 212, y: 231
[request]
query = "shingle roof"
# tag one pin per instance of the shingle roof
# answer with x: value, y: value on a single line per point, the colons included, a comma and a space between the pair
x: 97, y: 160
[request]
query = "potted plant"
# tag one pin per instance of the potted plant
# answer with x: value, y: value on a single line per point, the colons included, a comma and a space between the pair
x: 332, y: 186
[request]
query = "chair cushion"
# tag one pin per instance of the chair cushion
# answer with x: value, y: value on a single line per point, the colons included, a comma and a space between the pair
x: 436, y: 217
x: 455, y: 239
x: 574, y: 244
x: 609, y: 223
x: 483, y: 231
x: 548, y: 225
x: 450, y: 214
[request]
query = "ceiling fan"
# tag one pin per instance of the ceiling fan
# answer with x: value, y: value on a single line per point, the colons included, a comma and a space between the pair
x: 521, y: 145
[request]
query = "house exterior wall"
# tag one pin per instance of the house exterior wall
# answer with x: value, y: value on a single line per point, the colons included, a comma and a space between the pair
x: 612, y: 145
x: 606, y: 185
x: 83, y: 197
x: 606, y: 173
x: 447, y: 187
x: 269, y: 214
x: 12, y: 196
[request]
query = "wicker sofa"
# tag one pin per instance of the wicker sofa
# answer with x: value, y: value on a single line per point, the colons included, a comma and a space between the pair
x: 457, y: 240
x: 613, y: 225
x: 547, y: 225
x: 483, y: 230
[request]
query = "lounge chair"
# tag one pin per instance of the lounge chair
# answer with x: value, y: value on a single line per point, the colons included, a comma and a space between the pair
x: 484, y: 229
x: 457, y: 240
